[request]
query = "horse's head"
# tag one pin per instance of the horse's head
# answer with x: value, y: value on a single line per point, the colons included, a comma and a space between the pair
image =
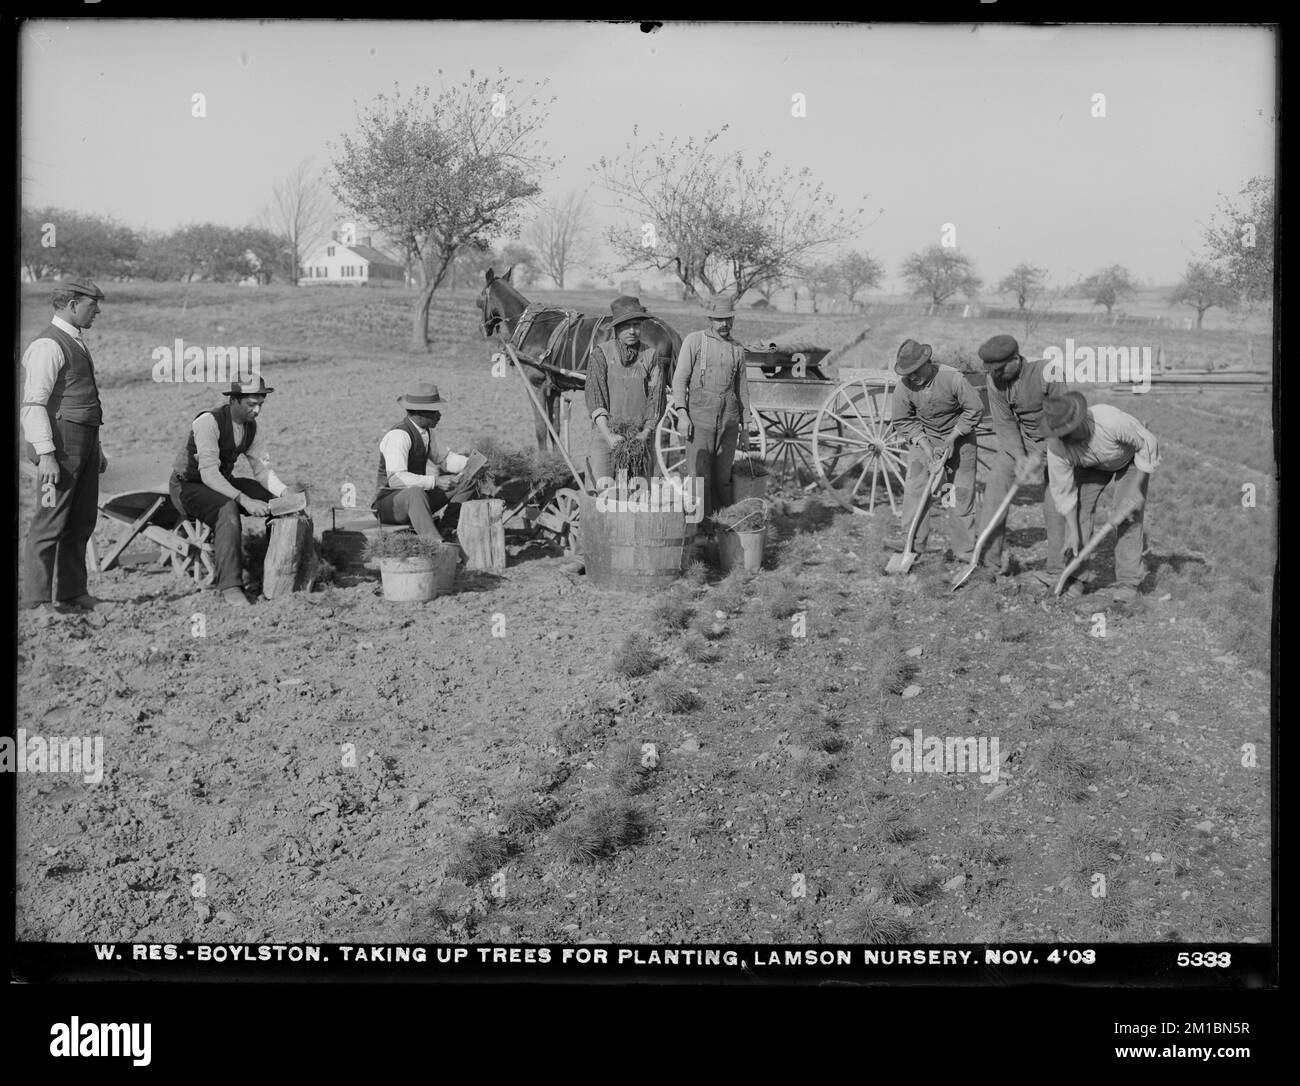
x: 499, y: 301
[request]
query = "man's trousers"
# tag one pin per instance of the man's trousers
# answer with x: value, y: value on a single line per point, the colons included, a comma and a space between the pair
x: 223, y: 516
x: 55, y: 566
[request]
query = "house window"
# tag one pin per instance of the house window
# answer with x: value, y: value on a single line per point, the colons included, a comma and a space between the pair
x: 329, y: 251
x: 324, y: 273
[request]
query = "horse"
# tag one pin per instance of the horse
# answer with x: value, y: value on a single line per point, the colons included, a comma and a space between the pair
x: 554, y: 344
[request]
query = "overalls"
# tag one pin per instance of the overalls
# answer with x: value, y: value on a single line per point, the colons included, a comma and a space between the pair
x: 628, y: 388
x: 713, y: 404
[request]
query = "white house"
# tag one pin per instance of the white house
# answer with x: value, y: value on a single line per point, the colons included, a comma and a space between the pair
x: 356, y: 264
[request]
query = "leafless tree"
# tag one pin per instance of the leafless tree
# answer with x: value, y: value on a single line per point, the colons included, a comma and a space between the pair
x: 299, y: 214
x: 560, y: 235
x: 719, y: 222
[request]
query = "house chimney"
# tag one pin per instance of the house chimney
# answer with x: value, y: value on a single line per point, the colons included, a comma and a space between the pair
x: 366, y: 242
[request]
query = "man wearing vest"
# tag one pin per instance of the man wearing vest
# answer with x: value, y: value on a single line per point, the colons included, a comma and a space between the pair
x: 410, y: 457
x: 1016, y: 392
x: 936, y: 411
x: 1090, y: 449
x: 203, y: 485
x: 625, y: 384
x: 711, y: 401
x: 61, y: 416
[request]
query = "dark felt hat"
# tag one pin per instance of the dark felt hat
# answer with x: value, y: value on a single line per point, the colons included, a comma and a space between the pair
x: 627, y: 308
x: 720, y: 306
x: 912, y: 356
x: 422, y: 397
x: 999, y: 349
x: 249, y: 388
x: 1061, y: 414
x: 81, y: 286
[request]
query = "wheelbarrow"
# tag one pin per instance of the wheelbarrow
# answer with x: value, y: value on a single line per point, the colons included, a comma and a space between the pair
x: 134, y: 492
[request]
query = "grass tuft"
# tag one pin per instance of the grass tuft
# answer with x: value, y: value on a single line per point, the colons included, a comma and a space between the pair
x: 697, y: 648
x: 672, y: 613
x: 874, y: 924
x: 478, y: 856
x: 672, y: 695
x: 635, y: 657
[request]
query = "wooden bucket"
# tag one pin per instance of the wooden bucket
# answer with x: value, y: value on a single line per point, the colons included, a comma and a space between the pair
x: 631, y: 550
x: 741, y: 550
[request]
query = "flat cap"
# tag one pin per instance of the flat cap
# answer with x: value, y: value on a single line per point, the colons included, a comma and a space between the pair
x: 81, y: 286
x: 999, y: 349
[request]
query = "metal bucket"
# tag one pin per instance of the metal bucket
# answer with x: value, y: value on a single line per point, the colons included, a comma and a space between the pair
x: 420, y: 578
x: 741, y: 550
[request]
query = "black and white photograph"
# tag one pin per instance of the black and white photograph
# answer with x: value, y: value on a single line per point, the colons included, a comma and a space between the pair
x: 616, y: 489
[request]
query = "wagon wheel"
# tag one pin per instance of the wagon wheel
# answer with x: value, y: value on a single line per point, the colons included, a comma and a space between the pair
x: 757, y: 434
x: 788, y: 437
x: 670, y: 452
x: 560, y: 519
x: 866, y: 445
x: 197, y: 561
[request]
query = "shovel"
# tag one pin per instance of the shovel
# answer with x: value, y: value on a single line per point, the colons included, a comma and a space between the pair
x: 1025, y: 472
x: 1115, y: 521
x: 902, y: 563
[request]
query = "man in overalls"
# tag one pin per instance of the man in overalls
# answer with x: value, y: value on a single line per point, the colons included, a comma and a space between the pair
x: 710, y: 398
x: 626, y: 384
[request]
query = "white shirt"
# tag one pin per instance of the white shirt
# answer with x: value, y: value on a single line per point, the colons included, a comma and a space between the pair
x: 42, y: 362
x: 396, y: 449
x: 1114, y: 439
x: 207, y: 446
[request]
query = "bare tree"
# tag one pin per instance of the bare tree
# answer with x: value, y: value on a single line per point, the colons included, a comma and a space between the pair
x: 299, y: 215
x: 1240, y: 241
x: 821, y: 281
x: 718, y: 222
x: 858, y: 271
x: 559, y: 235
x: 1025, y: 281
x: 1203, y: 287
x: 941, y: 271
x: 1108, y: 286
x: 439, y: 173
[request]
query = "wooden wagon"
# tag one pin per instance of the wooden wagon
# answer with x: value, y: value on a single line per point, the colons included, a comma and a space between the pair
x: 834, y: 431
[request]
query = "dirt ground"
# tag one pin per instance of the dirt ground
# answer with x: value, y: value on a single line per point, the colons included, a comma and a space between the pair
x: 231, y: 807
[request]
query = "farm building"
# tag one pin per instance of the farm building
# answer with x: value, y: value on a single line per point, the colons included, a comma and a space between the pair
x: 356, y: 264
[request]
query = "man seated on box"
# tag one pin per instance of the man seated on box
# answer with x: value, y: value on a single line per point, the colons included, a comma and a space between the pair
x: 410, y: 460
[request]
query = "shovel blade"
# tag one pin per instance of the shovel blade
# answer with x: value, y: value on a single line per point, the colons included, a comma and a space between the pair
x: 963, y: 578
x: 900, y: 563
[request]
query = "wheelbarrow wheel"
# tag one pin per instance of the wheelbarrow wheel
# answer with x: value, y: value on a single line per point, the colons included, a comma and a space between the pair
x: 560, y: 520
x: 198, y: 561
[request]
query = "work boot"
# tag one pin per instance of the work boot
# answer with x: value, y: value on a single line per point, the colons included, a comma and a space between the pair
x: 236, y: 597
x: 80, y: 603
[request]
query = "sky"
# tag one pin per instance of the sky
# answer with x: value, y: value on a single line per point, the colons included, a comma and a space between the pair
x: 988, y: 128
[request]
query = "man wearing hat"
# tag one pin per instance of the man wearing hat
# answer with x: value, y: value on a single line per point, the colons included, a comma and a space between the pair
x: 61, y: 416
x: 410, y: 457
x: 625, y: 384
x: 203, y: 484
x: 1090, y: 449
x: 936, y: 410
x: 1016, y: 391
x: 710, y: 398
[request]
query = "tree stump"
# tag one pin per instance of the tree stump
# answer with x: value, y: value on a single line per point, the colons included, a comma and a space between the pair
x: 291, y: 559
x: 482, y: 534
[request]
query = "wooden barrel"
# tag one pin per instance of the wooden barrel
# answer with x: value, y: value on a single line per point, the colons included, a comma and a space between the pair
x: 631, y: 550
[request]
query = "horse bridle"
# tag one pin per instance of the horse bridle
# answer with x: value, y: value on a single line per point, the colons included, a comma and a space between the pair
x: 496, y: 320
